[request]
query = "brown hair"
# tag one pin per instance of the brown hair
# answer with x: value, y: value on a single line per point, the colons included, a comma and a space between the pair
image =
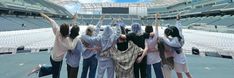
x: 90, y: 31
x: 64, y: 30
x: 74, y: 31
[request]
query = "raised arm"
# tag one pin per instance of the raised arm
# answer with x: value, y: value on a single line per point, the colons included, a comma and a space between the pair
x: 117, y: 33
x: 74, y: 19
x: 55, y: 26
x: 178, y: 23
x: 157, y: 23
x: 98, y: 26
x: 178, y: 26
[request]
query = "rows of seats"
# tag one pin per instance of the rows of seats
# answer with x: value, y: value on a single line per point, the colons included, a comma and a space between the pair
x: 88, y: 16
x: 40, y: 38
x: 191, y: 8
x: 9, y: 23
x: 105, y: 22
x: 217, y: 20
x: 208, y: 41
x: 37, y: 5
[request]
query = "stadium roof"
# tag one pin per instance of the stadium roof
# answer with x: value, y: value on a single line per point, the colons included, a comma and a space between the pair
x: 92, y: 4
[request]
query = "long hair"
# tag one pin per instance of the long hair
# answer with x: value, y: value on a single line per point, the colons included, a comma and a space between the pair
x: 165, y: 60
x: 161, y: 49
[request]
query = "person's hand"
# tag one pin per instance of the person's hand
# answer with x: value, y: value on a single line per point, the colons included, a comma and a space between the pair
x: 139, y: 59
x: 152, y: 34
x: 178, y: 17
x: 102, y: 17
x: 157, y: 16
x: 97, y: 49
x: 140, y: 53
x: 75, y: 16
x: 123, y: 36
x: 85, y: 44
x: 42, y: 14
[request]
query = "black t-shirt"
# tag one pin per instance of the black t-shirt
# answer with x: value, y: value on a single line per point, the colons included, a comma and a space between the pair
x: 138, y: 40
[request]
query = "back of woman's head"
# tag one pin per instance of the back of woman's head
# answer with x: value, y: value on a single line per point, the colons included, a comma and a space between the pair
x: 168, y: 31
x: 123, y: 30
x: 89, y: 31
x: 122, y: 44
x: 148, y: 29
x: 175, y: 32
x: 74, y: 31
x: 136, y: 28
x: 64, y: 30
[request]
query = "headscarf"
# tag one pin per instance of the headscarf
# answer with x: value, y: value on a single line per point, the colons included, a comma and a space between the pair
x: 106, y: 39
x: 136, y: 28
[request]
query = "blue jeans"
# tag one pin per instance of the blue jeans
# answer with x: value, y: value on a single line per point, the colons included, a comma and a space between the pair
x: 91, y: 64
x: 54, y: 69
x: 157, y: 70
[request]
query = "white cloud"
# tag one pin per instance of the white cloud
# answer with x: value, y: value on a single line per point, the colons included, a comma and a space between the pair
x: 95, y: 1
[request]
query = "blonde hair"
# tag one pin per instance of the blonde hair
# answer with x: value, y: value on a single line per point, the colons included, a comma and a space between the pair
x: 90, y: 30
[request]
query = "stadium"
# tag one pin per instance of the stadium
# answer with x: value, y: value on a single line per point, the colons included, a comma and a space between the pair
x: 27, y: 39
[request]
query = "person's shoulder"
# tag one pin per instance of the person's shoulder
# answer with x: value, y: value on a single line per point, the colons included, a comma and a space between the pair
x: 131, y: 33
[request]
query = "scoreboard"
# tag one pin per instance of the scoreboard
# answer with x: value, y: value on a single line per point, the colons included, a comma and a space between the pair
x: 115, y: 10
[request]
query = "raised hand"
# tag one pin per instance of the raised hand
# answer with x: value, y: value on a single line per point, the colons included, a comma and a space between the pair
x: 43, y: 15
x: 102, y: 17
x: 178, y: 17
x: 157, y: 16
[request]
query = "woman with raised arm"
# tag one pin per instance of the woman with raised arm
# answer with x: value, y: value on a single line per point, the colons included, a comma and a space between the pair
x: 153, y: 58
x: 137, y: 36
x: 104, y: 42
x: 90, y: 61
x: 61, y: 45
x: 176, y: 41
x: 73, y: 56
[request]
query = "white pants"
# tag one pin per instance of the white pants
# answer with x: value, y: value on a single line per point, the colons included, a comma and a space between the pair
x: 103, y: 66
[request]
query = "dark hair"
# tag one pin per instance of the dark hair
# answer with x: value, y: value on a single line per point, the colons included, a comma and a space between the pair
x: 176, y: 32
x: 64, y: 30
x: 168, y: 31
x: 148, y: 29
x: 123, y: 30
x: 74, y: 31
x: 123, y: 45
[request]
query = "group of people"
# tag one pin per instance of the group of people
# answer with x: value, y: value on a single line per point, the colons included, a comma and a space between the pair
x: 119, y: 53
